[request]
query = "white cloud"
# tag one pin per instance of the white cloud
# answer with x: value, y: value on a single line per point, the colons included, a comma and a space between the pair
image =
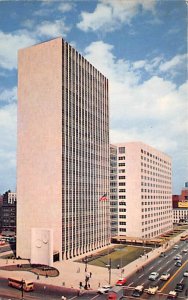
x: 65, y: 6
x: 178, y: 60
x: 8, y: 96
x: 110, y: 15
x: 105, y: 61
x: 52, y: 29
x: 8, y: 114
x: 153, y: 111
x: 9, y: 45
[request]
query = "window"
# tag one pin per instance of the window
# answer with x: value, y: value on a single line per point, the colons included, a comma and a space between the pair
x: 121, y: 164
x: 121, y: 183
x: 121, y: 150
x: 122, y: 210
x: 122, y: 223
x: 122, y: 216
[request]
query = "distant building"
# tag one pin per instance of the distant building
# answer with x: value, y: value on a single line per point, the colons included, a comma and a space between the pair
x: 9, y: 212
x: 1, y: 204
x: 180, y: 206
x: 140, y: 190
x: 63, y: 152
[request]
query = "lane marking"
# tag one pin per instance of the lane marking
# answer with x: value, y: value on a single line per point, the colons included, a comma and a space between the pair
x: 141, y: 276
x: 130, y: 283
x: 95, y: 297
x: 164, y: 286
x: 168, y: 269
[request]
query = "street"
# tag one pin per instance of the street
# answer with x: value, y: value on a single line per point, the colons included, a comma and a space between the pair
x: 140, y: 277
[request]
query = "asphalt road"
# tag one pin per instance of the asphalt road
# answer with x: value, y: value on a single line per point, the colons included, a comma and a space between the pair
x: 160, y: 265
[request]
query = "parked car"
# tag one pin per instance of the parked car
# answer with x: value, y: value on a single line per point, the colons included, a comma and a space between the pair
x: 172, y: 295
x: 138, y: 291
x: 185, y: 250
x: 162, y: 254
x: 121, y: 281
x: 152, y: 290
x: 179, y: 287
x: 165, y: 276
x: 178, y: 263
x: 175, y: 246
x: 185, y: 274
x: 104, y: 289
x: 153, y: 276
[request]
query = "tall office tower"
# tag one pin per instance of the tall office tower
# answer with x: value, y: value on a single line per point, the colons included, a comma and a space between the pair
x: 63, y: 152
x: 144, y: 184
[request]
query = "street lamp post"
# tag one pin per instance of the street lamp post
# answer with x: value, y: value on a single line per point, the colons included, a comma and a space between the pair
x: 86, y: 261
x: 22, y: 289
x: 109, y: 266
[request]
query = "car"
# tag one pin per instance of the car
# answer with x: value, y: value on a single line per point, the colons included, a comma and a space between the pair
x: 172, y: 295
x: 185, y: 250
x: 165, y: 276
x: 152, y: 290
x: 178, y: 263
x: 179, y: 287
x: 138, y: 291
x: 162, y: 254
x: 175, y: 246
x: 104, y: 289
x: 178, y: 257
x: 185, y: 274
x: 121, y: 281
x: 153, y: 276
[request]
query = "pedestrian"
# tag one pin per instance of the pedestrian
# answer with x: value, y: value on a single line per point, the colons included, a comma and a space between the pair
x: 90, y: 274
x: 80, y: 284
x: 99, y: 284
x: 186, y: 292
x: 88, y: 286
x: 38, y: 277
x: 147, y: 256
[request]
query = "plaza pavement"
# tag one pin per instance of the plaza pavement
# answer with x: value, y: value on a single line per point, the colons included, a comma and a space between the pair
x: 71, y: 273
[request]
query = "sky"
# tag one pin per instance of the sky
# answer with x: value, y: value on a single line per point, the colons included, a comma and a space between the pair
x: 139, y: 45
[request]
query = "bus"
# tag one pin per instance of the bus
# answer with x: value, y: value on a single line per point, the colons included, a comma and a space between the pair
x: 184, y: 237
x: 20, y: 284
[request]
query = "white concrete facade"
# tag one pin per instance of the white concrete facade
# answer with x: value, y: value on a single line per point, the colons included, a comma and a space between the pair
x: 180, y: 214
x: 63, y: 150
x: 144, y: 177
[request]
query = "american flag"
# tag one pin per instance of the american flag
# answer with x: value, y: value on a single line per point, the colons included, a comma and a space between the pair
x: 103, y: 198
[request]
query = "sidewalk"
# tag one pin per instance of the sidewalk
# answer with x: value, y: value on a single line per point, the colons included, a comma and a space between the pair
x: 72, y: 273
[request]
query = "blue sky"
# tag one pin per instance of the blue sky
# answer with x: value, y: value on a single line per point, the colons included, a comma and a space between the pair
x: 140, y: 45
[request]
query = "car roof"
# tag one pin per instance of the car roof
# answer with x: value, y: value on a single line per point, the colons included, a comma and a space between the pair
x: 139, y: 287
x: 172, y: 293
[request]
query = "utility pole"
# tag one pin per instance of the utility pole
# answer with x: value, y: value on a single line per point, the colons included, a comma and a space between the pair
x: 23, y: 281
x: 109, y: 266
